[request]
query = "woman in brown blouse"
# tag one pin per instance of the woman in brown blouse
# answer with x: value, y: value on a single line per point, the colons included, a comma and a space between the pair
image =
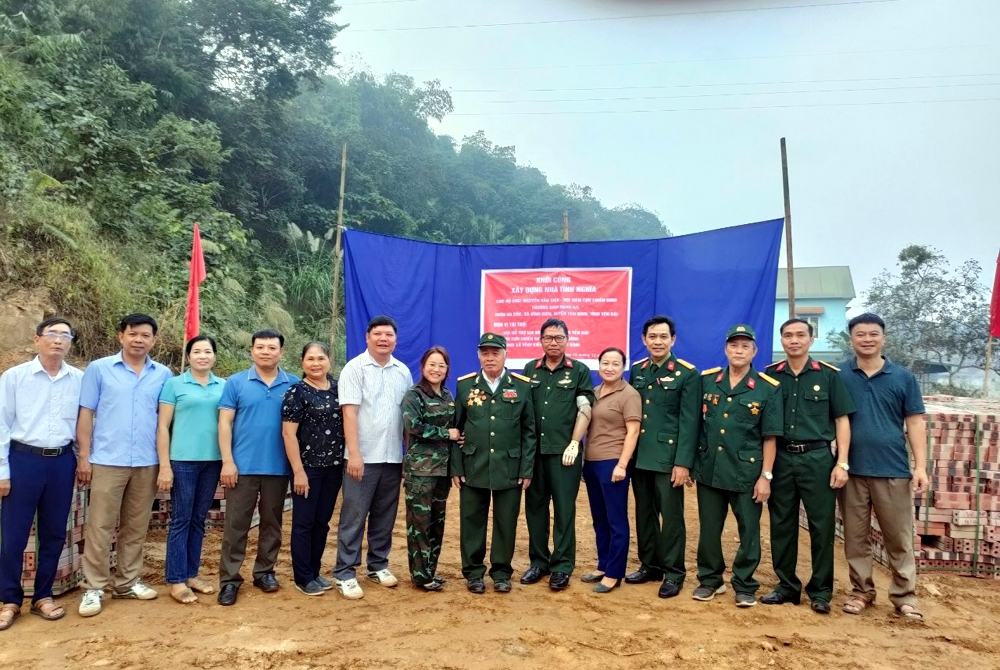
x: 611, y: 439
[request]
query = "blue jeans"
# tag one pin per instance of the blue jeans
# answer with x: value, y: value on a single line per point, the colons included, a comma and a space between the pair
x: 609, y: 509
x: 194, y: 488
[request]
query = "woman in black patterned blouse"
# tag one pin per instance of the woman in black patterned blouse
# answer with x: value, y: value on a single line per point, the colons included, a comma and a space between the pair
x: 313, y: 430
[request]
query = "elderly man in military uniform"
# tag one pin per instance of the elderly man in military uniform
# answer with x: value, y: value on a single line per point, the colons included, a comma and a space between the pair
x: 816, y: 409
x: 668, y: 437
x: 741, y: 420
x: 493, y: 409
x: 562, y: 394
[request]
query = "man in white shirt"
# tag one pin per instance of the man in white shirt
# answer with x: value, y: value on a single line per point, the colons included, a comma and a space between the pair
x: 38, y: 409
x: 371, y: 388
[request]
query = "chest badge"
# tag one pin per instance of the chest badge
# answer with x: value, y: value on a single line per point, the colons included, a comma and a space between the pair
x: 816, y: 387
x: 476, y: 397
x: 715, y: 399
x: 509, y: 394
x: 564, y: 381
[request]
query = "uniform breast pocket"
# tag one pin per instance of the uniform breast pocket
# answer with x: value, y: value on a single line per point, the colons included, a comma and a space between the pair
x: 509, y: 408
x: 667, y: 392
x: 817, y: 403
x: 748, y: 412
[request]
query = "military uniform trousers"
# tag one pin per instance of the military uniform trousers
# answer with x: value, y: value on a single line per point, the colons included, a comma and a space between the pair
x: 659, y: 518
x: 560, y: 484
x: 474, y: 506
x: 803, y: 477
x: 426, y: 500
x: 713, y: 507
x: 647, y: 524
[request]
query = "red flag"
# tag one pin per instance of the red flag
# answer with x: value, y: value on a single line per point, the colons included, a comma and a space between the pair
x: 192, y: 317
x: 995, y: 303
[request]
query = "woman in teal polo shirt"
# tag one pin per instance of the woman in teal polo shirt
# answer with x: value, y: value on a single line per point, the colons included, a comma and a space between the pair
x: 187, y: 440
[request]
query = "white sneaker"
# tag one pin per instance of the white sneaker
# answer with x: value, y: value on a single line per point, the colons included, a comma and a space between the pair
x: 349, y: 589
x: 383, y: 577
x: 91, y: 603
x: 138, y: 591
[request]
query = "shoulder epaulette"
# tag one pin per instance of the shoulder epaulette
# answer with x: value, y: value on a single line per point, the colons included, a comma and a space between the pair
x: 640, y: 361
x: 710, y: 371
x: 771, y: 365
x: 685, y: 364
x: 770, y: 380
x: 832, y: 367
x: 468, y: 376
x: 520, y: 376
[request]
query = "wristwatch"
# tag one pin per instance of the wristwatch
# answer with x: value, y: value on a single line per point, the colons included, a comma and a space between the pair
x: 767, y: 475
x: 844, y: 466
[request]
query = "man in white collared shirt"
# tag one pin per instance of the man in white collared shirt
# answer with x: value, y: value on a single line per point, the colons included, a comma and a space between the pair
x: 38, y: 408
x: 371, y: 388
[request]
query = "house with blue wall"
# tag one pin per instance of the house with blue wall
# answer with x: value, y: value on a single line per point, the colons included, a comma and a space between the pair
x: 822, y: 295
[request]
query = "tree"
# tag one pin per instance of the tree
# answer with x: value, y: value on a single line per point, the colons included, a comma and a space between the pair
x: 934, y: 313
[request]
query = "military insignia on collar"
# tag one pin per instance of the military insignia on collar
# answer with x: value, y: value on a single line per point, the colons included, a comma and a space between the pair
x: 751, y: 383
x: 815, y: 365
x: 510, y: 394
x: 670, y: 366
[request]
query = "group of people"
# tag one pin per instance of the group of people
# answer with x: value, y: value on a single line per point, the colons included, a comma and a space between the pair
x: 802, y: 432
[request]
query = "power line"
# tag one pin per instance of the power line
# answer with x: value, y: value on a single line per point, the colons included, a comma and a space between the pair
x: 739, y: 94
x: 721, y: 109
x: 685, y: 61
x: 628, y: 17
x: 714, y: 84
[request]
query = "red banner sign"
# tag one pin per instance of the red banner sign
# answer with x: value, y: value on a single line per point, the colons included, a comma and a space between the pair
x: 593, y: 303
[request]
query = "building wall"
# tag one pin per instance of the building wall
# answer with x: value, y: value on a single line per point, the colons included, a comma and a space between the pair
x: 832, y: 320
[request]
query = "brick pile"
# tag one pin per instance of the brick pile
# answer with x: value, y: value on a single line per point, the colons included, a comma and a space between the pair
x: 160, y: 518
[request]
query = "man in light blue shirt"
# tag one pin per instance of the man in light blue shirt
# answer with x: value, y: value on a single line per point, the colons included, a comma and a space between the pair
x: 371, y: 389
x: 254, y: 467
x: 38, y: 406
x: 116, y: 433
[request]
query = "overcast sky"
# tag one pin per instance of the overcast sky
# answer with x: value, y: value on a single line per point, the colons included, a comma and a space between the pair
x: 681, y: 110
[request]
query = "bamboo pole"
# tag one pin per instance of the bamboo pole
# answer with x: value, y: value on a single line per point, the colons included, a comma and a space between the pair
x: 790, y: 272
x: 565, y: 225
x: 334, y: 307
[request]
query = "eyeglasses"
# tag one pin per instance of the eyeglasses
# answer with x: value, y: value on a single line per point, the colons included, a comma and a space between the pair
x: 549, y: 339
x: 53, y: 335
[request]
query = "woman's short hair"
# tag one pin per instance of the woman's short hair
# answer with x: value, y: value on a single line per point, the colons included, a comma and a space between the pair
x: 609, y: 350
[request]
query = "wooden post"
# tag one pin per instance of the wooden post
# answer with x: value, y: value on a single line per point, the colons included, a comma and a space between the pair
x: 565, y: 225
x: 788, y: 232
x: 334, y: 315
x: 989, y: 362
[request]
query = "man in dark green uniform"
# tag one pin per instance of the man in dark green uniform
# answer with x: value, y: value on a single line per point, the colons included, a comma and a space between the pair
x: 562, y: 393
x: 668, y: 437
x: 493, y: 409
x: 741, y: 410
x: 816, y: 409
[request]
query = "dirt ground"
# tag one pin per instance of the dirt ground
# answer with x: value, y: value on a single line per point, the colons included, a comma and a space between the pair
x: 531, y: 627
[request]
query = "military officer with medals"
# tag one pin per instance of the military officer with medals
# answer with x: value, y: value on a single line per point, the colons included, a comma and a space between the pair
x: 817, y: 406
x: 493, y: 409
x: 562, y: 393
x: 741, y: 421
x: 668, y: 437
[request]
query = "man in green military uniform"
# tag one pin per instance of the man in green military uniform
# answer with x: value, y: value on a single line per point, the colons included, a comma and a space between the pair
x: 493, y: 409
x: 816, y: 408
x: 668, y: 437
x: 562, y: 393
x: 741, y: 419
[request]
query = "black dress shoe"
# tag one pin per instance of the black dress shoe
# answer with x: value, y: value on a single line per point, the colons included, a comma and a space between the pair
x: 669, y: 589
x: 533, y: 575
x: 476, y: 586
x: 775, y: 598
x: 267, y: 583
x: 501, y: 585
x: 558, y: 581
x: 228, y: 593
x: 643, y: 575
x: 820, y: 606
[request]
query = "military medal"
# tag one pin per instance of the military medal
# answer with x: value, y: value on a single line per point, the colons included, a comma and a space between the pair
x: 510, y: 394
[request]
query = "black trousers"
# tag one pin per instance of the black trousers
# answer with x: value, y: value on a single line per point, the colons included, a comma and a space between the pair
x: 311, y: 521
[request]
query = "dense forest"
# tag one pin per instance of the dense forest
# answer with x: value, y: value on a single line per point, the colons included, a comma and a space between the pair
x: 124, y: 122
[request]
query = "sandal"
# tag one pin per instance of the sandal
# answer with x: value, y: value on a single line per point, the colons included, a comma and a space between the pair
x: 909, y: 612
x: 7, y: 620
x: 856, y: 605
x: 200, y: 585
x: 184, y: 597
x: 48, y: 609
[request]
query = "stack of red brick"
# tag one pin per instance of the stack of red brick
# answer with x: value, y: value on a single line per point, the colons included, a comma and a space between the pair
x: 216, y: 518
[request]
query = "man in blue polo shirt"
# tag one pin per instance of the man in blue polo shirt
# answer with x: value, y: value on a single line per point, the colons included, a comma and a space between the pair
x: 888, y: 401
x: 253, y: 464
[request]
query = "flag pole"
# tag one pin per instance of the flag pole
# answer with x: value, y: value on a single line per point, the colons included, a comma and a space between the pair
x: 790, y: 271
x: 334, y: 308
x: 989, y: 361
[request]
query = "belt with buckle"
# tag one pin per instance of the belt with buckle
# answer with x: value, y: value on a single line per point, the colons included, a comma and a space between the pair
x: 802, y: 447
x: 40, y: 451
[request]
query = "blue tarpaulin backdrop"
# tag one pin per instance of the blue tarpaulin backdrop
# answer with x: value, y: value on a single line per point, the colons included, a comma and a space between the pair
x: 706, y: 281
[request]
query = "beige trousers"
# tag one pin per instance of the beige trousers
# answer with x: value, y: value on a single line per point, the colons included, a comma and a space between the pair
x: 892, y: 501
x: 117, y: 493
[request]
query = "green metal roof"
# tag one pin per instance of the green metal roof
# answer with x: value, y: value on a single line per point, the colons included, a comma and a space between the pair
x: 831, y: 281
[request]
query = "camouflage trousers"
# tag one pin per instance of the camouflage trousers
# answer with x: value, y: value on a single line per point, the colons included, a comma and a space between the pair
x: 426, y: 498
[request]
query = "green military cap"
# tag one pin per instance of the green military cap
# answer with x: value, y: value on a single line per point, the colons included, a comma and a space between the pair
x: 493, y: 340
x: 741, y: 330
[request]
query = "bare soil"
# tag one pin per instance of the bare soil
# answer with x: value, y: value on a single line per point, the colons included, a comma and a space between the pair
x: 531, y: 627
